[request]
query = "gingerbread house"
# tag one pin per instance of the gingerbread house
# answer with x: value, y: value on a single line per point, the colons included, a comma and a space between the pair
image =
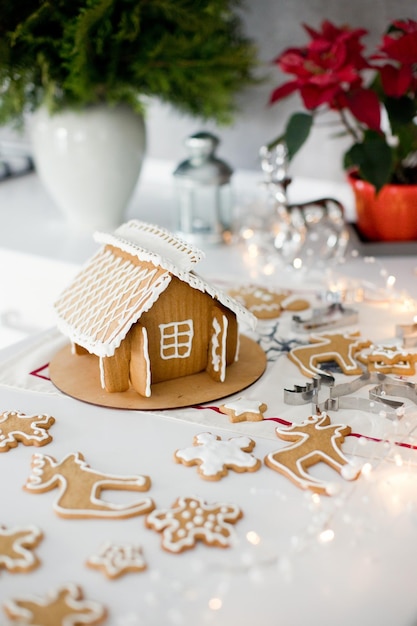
x: 140, y: 308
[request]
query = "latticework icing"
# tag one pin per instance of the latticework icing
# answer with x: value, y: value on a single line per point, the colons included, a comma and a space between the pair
x: 154, y: 244
x: 106, y: 298
x: 112, y: 291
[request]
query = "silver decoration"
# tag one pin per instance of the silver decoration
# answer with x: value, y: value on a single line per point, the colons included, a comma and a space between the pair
x: 204, y: 196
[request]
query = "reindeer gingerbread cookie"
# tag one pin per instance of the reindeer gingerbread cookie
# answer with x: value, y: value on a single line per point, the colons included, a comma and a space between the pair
x: 323, y: 348
x: 81, y: 488
x: 316, y: 440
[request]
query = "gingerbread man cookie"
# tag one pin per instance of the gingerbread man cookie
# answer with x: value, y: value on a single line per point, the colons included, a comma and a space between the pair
x: 16, y: 548
x: 31, y: 430
x: 191, y: 520
x: 265, y: 303
x: 323, y: 348
x: 61, y: 607
x: 244, y: 410
x: 215, y: 456
x: 314, y: 441
x: 81, y: 488
x: 116, y: 560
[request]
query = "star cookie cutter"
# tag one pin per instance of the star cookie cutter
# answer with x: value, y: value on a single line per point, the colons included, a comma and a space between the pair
x: 332, y: 316
x: 338, y: 395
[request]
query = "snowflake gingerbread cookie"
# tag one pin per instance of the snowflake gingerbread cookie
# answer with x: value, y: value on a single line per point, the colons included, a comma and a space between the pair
x: 31, y: 430
x: 244, y: 410
x: 215, y: 456
x: 16, y: 548
x: 60, y: 607
x: 81, y: 488
x: 116, y: 560
x: 190, y: 520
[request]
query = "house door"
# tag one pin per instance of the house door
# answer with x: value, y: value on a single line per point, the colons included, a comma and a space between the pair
x: 140, y: 365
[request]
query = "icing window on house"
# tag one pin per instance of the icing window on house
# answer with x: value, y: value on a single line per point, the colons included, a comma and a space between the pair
x: 176, y: 339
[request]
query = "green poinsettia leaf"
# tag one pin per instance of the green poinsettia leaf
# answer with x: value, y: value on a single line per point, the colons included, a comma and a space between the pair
x: 400, y: 111
x: 297, y: 132
x: 373, y: 158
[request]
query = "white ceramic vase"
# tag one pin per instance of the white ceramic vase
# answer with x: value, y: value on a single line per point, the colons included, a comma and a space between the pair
x: 89, y: 161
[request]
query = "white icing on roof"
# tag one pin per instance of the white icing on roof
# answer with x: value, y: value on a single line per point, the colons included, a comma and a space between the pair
x: 111, y: 293
x: 152, y: 243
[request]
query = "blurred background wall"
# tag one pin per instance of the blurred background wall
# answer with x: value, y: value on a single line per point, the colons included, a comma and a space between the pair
x: 275, y: 25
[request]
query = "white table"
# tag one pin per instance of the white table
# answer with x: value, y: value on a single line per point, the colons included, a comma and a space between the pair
x: 298, y: 559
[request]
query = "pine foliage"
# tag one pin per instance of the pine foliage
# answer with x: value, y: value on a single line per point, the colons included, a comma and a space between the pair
x: 192, y: 54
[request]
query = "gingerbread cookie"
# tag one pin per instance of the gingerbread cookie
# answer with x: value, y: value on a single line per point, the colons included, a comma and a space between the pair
x: 116, y: 560
x: 16, y: 548
x: 215, y: 456
x: 389, y: 360
x: 61, y: 607
x: 31, y: 430
x: 244, y: 410
x: 81, y: 488
x: 315, y: 440
x: 265, y: 303
x: 324, y: 348
x: 191, y: 520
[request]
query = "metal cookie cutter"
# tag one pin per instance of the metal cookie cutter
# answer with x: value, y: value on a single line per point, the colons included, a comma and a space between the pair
x: 333, y: 316
x: 377, y: 402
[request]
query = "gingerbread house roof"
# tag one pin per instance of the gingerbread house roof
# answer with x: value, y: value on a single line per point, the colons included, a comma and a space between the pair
x: 112, y: 291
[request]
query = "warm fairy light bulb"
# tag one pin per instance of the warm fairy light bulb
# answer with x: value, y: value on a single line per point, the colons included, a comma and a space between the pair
x: 326, y: 535
x: 297, y: 263
x: 269, y: 269
x: 247, y: 233
x: 253, y: 250
x: 398, y: 460
x: 391, y: 280
x: 366, y: 469
x: 316, y: 498
x: 253, y: 537
x: 215, y: 604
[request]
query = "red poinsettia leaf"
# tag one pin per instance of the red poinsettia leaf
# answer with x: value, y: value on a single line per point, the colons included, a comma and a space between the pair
x: 364, y: 105
x: 403, y: 49
x: 314, y: 95
x: 283, y: 91
x: 395, y: 82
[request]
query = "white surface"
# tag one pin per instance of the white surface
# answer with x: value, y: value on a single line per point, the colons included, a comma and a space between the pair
x: 364, y: 575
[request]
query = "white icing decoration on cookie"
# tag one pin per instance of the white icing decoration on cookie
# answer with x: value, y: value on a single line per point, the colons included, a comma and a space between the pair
x: 176, y: 539
x: 80, y: 488
x: 118, y: 559
x: 214, y: 455
x: 31, y: 429
x: 16, y: 546
x: 243, y: 405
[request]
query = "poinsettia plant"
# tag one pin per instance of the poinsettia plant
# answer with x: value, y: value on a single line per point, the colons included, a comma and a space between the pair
x: 372, y: 96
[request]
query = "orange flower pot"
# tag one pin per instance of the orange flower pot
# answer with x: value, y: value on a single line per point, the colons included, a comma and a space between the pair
x: 390, y: 215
